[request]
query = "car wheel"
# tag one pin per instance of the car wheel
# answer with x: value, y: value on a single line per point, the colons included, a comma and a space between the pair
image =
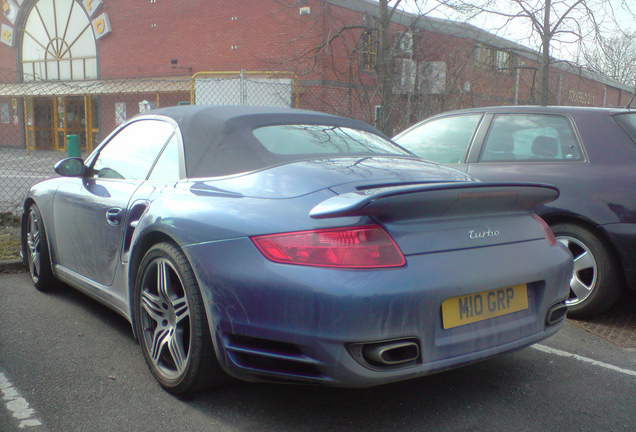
x: 37, y: 249
x: 596, y: 282
x: 171, y: 323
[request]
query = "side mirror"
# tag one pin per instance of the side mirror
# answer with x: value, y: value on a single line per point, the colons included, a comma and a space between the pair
x: 70, y: 167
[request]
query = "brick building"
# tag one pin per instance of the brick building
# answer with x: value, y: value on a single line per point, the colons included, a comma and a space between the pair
x: 84, y: 66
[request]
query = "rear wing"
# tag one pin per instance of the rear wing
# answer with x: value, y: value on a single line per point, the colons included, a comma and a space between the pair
x: 437, y: 199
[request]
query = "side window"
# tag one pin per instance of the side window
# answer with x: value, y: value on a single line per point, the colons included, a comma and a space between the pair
x: 530, y: 137
x: 167, y: 166
x: 444, y: 140
x: 628, y: 123
x: 131, y: 153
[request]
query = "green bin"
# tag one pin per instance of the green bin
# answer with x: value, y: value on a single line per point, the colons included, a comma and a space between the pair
x: 72, y: 146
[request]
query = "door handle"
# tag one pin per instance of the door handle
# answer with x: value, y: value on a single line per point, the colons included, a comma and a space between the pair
x: 114, y: 215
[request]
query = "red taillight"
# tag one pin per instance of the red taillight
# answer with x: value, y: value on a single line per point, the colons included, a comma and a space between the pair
x: 352, y: 247
x: 547, y: 231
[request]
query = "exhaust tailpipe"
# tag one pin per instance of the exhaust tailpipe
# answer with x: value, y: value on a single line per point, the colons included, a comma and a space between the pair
x: 391, y: 353
x: 556, y: 313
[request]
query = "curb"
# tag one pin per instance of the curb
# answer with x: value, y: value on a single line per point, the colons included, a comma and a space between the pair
x: 11, y: 265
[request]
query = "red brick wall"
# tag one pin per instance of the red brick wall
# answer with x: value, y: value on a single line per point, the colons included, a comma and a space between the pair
x: 204, y: 35
x: 220, y: 35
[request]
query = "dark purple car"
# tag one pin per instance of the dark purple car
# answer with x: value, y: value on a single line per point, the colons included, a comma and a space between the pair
x: 588, y: 153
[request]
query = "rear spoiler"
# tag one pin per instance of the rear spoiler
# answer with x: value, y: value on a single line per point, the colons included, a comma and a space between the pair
x: 437, y: 199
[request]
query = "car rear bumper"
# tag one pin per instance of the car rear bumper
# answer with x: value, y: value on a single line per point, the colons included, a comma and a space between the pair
x: 280, y: 322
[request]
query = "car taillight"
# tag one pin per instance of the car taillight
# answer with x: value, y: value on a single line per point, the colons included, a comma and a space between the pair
x: 353, y: 247
x: 547, y: 231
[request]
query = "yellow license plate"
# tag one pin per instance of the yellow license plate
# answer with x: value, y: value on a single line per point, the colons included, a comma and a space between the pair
x: 471, y: 308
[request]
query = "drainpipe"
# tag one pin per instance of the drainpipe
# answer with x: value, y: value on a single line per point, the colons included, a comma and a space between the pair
x: 517, y: 86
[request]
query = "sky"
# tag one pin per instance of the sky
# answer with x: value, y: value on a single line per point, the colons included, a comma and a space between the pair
x: 612, y: 13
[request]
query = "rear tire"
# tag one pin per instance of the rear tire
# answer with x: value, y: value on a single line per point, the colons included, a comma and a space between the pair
x: 171, y: 323
x: 37, y: 250
x: 596, y: 282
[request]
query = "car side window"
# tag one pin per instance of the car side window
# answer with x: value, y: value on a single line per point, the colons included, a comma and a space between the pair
x: 530, y: 137
x: 443, y: 140
x: 167, y: 166
x: 628, y: 123
x: 132, y: 152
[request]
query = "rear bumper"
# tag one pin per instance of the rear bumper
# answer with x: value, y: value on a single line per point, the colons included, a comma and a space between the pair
x: 280, y: 322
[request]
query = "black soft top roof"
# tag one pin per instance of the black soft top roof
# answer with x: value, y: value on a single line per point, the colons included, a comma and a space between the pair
x: 218, y: 140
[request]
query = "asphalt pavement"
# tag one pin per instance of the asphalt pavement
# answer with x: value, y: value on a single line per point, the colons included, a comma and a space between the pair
x: 69, y: 364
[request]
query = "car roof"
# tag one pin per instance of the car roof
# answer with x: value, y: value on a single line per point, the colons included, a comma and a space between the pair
x: 223, y: 113
x: 221, y: 135
x: 541, y: 109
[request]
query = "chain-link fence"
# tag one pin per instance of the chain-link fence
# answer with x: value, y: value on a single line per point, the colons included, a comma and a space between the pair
x: 36, y: 118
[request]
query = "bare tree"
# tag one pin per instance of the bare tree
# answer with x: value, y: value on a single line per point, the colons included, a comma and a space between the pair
x: 548, y: 22
x: 356, y: 57
x: 615, y: 57
x: 343, y: 51
x: 385, y: 65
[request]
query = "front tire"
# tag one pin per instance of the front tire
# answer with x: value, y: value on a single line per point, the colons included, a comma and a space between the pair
x: 37, y: 250
x: 596, y: 282
x: 171, y: 323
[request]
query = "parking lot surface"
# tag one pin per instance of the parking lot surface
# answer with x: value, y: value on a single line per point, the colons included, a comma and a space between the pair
x: 69, y: 364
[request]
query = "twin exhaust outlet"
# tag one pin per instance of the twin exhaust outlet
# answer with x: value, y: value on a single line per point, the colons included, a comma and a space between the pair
x: 402, y: 352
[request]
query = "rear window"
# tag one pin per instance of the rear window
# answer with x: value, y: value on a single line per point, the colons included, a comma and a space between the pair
x: 628, y: 123
x: 322, y: 139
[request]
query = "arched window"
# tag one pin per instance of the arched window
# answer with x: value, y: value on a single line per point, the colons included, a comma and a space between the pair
x: 58, y: 42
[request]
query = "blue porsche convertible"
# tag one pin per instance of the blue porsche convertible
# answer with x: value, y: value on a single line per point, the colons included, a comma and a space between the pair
x: 284, y: 245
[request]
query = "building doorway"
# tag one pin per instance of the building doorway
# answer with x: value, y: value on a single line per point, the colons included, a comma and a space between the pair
x: 51, y: 119
x: 40, y: 121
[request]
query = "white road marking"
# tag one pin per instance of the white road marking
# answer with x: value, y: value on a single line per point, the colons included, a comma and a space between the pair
x: 17, y: 405
x: 560, y: 353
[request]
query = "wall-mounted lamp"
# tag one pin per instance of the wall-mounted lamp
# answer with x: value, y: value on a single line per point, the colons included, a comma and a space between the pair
x: 174, y: 62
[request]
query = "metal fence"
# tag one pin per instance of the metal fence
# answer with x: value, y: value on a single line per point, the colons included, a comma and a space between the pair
x: 37, y: 117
